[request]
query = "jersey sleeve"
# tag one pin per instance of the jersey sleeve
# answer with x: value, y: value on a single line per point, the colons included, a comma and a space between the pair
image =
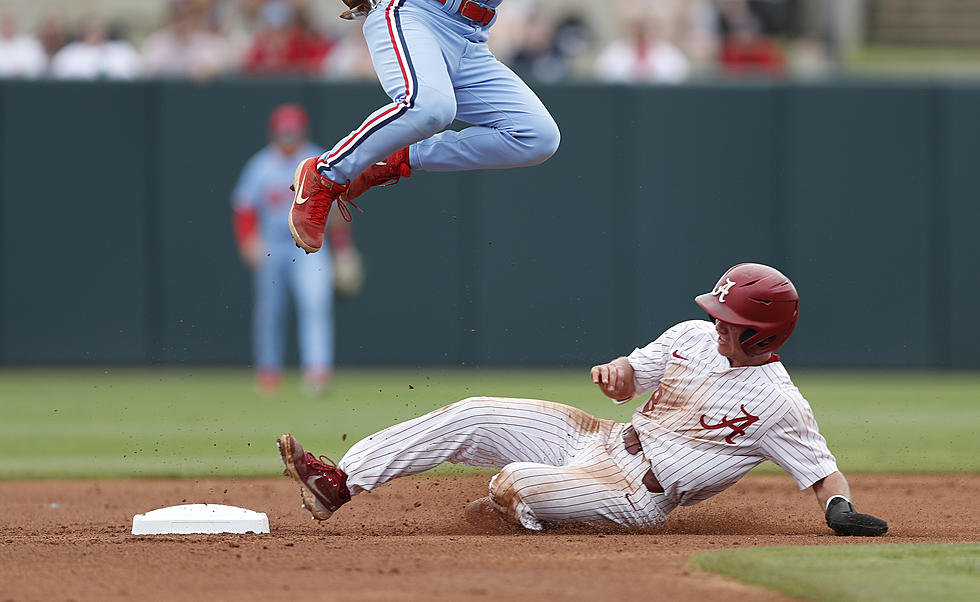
x: 247, y: 192
x: 795, y: 444
x: 650, y: 362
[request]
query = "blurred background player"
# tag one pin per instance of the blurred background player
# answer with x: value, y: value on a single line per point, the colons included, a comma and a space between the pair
x: 261, y: 201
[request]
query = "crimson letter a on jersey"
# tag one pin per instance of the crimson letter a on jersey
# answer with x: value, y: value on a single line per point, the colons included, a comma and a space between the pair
x: 737, y: 424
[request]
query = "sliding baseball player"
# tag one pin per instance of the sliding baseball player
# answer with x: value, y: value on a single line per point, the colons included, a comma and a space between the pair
x: 721, y: 404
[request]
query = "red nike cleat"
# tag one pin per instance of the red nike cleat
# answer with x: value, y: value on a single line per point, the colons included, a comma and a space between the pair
x: 322, y: 485
x: 315, y: 194
x: 382, y: 173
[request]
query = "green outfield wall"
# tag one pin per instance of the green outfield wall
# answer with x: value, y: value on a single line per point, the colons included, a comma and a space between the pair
x: 117, y: 246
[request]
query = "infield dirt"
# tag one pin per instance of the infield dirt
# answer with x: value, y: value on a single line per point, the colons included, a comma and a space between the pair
x: 70, y: 540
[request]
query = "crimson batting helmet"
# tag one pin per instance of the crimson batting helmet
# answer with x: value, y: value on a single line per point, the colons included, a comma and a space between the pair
x: 287, y: 119
x: 758, y: 297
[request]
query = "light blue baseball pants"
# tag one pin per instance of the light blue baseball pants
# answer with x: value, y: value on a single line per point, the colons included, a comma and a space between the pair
x: 284, y: 270
x: 435, y: 66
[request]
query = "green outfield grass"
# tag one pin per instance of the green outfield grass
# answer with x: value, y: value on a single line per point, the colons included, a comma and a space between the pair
x: 208, y: 422
x: 857, y: 573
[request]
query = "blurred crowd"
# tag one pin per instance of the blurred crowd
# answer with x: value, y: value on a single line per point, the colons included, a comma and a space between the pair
x: 650, y: 41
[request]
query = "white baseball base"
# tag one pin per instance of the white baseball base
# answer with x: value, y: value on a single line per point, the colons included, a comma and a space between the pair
x: 200, y: 518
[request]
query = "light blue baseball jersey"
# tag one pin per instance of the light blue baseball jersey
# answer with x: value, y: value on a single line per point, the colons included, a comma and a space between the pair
x: 264, y: 186
x: 436, y: 67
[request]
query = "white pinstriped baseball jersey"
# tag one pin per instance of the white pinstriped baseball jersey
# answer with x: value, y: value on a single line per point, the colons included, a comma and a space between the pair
x: 707, y: 424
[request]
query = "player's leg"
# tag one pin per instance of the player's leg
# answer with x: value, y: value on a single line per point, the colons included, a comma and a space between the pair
x: 511, y: 126
x: 310, y: 281
x: 604, y: 485
x: 479, y: 431
x: 409, y: 54
x: 268, y: 316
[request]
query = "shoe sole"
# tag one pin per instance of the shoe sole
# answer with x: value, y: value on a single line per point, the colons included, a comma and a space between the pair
x: 297, y: 190
x: 287, y: 446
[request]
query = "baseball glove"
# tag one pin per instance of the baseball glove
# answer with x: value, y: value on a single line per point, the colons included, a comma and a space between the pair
x: 357, y: 9
x: 842, y: 518
x: 348, y: 272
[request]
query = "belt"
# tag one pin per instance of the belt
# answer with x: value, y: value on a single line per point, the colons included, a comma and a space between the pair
x: 474, y: 11
x: 632, y: 442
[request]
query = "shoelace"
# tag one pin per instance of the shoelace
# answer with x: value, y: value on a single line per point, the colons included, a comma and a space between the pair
x: 320, y: 208
x: 394, y: 173
x: 323, y: 463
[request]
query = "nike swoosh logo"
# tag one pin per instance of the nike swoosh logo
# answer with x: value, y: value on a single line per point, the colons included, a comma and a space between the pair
x: 301, y: 199
x: 679, y: 356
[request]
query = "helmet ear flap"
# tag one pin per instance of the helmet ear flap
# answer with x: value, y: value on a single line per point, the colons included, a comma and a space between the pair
x: 747, y: 334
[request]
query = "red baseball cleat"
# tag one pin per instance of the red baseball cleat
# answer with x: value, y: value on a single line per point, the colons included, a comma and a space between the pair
x: 382, y: 173
x: 322, y: 485
x: 314, y: 196
x: 267, y: 381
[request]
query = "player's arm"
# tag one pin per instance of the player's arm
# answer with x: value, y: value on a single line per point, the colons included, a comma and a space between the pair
x: 795, y: 444
x: 831, y: 485
x: 624, y: 377
x: 615, y: 379
x: 834, y: 496
x: 245, y: 214
x: 245, y: 223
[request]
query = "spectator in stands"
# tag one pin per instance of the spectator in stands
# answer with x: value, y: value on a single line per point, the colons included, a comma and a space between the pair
x: 185, y: 47
x: 536, y: 57
x: 51, y: 35
x: 349, y: 58
x: 506, y: 37
x: 747, y: 51
x: 645, y: 54
x: 95, y: 56
x: 573, y: 42
x: 286, y: 43
x: 236, y: 21
x: 20, y: 55
x: 699, y: 34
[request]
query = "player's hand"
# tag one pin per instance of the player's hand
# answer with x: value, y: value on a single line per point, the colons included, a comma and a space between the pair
x: 842, y: 518
x: 614, y: 379
x: 251, y: 252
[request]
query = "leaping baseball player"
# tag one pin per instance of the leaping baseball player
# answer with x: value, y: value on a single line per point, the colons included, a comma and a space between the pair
x: 432, y: 59
x: 722, y: 404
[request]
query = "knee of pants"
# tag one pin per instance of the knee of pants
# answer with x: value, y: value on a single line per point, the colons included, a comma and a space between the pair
x: 540, y: 138
x: 470, y: 403
x: 470, y: 410
x: 503, y: 489
x: 508, y: 498
x: 433, y: 113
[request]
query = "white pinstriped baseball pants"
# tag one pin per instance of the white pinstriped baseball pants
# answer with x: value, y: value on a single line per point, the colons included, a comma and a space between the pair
x: 559, y: 464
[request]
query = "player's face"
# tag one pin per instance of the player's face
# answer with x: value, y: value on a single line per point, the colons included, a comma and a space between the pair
x: 288, y: 142
x: 728, y: 345
x: 728, y: 335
